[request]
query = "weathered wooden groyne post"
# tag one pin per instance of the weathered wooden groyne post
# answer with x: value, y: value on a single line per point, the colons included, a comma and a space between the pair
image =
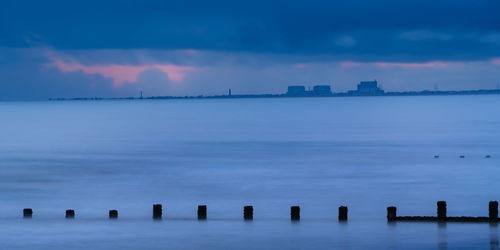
x: 157, y: 211
x: 441, y: 210
x: 248, y: 212
x: 342, y: 213
x: 113, y: 214
x: 295, y: 213
x: 202, y: 212
x: 27, y: 213
x: 493, y: 211
x: 391, y: 213
x: 70, y: 214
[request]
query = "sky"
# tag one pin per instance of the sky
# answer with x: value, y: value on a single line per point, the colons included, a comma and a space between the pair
x: 102, y: 48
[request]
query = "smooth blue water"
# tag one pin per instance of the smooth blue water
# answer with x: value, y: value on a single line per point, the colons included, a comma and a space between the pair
x: 367, y: 153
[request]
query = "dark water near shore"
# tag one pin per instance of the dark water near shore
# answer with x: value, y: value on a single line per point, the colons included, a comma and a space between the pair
x: 319, y: 153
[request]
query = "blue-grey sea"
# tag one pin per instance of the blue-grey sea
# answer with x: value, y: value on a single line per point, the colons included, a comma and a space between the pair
x: 366, y: 153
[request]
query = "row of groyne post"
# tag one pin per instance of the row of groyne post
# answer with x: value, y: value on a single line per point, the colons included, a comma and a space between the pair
x: 202, y: 213
x: 248, y: 212
x: 441, y: 215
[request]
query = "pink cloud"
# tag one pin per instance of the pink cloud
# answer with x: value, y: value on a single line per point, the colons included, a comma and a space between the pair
x: 350, y: 64
x: 412, y: 65
x: 300, y: 65
x: 191, y: 51
x: 122, y: 74
x: 496, y: 61
x: 433, y: 64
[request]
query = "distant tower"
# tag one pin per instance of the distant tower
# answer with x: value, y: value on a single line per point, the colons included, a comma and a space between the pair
x: 141, y: 95
x: 229, y: 92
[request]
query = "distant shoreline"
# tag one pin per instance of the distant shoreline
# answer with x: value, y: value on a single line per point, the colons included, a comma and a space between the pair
x: 341, y: 94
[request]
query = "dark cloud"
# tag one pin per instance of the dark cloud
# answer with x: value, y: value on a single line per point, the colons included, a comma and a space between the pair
x: 356, y: 29
x: 26, y: 75
x: 248, y: 46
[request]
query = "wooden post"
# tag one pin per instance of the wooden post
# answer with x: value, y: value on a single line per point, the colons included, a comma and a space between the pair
x: 441, y: 210
x: 202, y: 212
x: 391, y: 213
x: 248, y: 212
x: 493, y: 210
x: 70, y: 214
x: 295, y: 213
x: 342, y: 213
x: 27, y: 213
x: 113, y: 214
x: 157, y: 211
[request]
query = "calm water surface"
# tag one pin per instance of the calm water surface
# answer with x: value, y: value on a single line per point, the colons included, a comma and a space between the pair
x: 366, y: 153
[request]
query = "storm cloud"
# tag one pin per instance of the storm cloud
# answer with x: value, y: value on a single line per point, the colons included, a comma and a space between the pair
x: 402, y: 30
x: 116, y: 48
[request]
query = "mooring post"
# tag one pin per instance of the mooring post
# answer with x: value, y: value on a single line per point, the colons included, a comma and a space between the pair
x: 441, y: 210
x: 202, y: 212
x: 157, y: 211
x: 113, y: 214
x: 493, y: 210
x: 248, y: 212
x: 27, y: 213
x: 342, y: 213
x: 295, y: 212
x: 391, y: 213
x: 70, y: 214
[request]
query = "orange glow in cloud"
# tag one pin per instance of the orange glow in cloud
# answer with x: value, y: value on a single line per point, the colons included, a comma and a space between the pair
x: 402, y: 65
x: 122, y: 74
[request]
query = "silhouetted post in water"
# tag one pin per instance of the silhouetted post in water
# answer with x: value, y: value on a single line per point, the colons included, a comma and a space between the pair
x: 27, y: 213
x: 342, y: 213
x: 70, y: 214
x: 441, y: 210
x: 391, y: 213
x: 113, y: 214
x: 295, y: 213
x: 248, y: 212
x: 202, y: 212
x: 157, y: 211
x: 493, y: 210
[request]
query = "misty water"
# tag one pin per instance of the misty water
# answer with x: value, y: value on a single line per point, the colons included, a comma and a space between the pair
x: 363, y: 152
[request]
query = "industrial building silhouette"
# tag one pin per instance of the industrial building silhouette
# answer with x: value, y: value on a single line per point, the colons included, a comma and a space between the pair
x: 318, y: 90
x: 364, y: 88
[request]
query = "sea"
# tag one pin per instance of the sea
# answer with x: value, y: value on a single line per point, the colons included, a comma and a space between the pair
x: 366, y: 153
